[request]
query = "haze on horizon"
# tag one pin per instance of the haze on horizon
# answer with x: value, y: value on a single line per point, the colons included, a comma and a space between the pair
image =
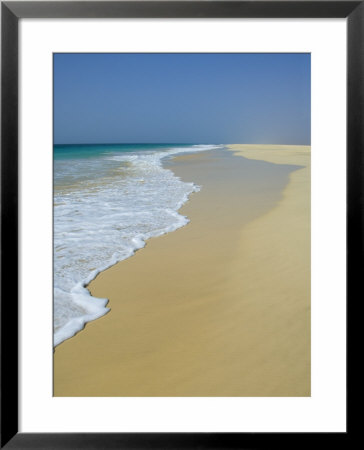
x: 182, y: 98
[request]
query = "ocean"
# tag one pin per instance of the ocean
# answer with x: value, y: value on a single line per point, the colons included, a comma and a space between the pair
x: 108, y: 200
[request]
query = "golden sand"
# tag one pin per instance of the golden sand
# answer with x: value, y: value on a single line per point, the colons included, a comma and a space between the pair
x: 220, y: 307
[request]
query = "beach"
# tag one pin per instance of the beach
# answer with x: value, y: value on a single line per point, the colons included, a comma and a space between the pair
x: 219, y: 307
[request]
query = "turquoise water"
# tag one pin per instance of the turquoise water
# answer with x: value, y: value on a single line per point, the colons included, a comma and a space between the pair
x: 108, y: 200
x: 79, y: 151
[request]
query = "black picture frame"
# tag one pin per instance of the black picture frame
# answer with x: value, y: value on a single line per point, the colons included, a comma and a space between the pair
x: 11, y: 12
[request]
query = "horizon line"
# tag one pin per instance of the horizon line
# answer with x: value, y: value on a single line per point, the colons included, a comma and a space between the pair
x: 175, y: 143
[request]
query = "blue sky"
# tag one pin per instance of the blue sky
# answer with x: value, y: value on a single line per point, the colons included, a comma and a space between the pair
x: 182, y: 98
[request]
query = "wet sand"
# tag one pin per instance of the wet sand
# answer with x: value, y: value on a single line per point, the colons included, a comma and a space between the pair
x: 220, y: 307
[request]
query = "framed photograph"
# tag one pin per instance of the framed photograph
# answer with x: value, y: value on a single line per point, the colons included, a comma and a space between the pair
x: 181, y: 216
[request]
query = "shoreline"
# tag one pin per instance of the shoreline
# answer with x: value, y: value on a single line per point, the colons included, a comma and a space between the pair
x: 98, y: 361
x: 76, y: 325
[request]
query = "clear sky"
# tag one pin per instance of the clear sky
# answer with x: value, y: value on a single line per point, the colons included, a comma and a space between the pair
x: 182, y: 98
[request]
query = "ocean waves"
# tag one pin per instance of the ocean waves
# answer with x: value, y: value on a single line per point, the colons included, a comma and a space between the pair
x: 105, y: 208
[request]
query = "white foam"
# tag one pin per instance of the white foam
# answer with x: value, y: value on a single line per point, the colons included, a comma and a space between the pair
x: 105, y: 209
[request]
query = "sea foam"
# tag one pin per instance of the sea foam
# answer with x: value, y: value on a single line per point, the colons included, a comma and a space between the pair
x: 105, y: 208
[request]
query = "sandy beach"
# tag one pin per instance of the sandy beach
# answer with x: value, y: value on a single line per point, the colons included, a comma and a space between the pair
x: 220, y: 307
